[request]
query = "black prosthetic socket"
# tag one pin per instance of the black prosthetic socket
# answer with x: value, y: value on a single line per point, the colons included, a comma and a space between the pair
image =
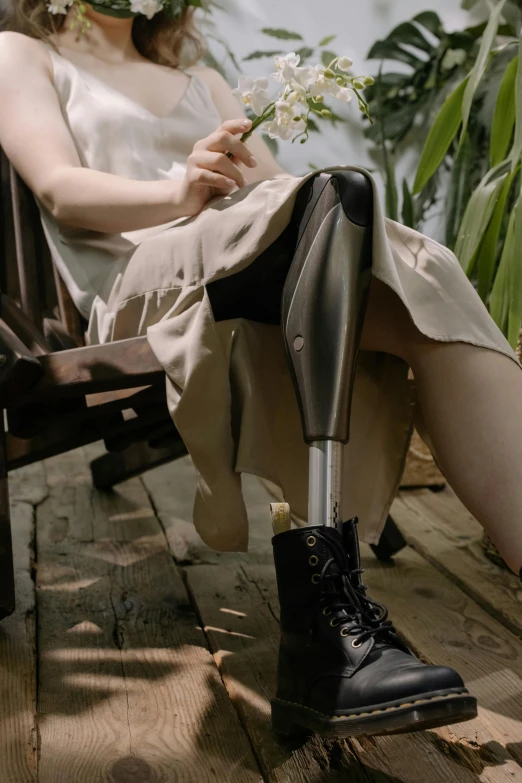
x: 325, y: 298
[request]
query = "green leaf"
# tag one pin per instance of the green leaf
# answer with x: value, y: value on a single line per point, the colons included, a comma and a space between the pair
x: 305, y: 52
x: 327, y: 40
x: 408, y: 210
x: 283, y: 35
x: 396, y: 124
x: 313, y: 127
x: 392, y: 200
x: 516, y: 151
x: 408, y: 33
x: 515, y: 279
x: 478, y: 70
x: 499, y: 300
x: 460, y: 188
x: 389, y: 50
x: 504, y: 117
x: 488, y: 250
x: 478, y: 214
x: 431, y: 21
x: 257, y: 55
x: 500, y: 295
x: 442, y: 133
x: 327, y: 56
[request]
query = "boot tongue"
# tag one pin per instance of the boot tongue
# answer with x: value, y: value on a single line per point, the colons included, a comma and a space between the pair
x: 348, y: 539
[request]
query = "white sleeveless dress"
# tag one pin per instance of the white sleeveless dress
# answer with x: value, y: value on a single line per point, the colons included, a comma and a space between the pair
x: 228, y: 386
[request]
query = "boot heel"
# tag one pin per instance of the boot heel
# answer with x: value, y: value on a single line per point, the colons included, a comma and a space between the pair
x: 283, y: 721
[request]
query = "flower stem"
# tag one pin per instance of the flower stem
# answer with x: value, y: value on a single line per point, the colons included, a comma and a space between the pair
x: 268, y: 112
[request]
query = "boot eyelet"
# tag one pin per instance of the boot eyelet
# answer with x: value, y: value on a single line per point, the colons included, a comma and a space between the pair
x: 326, y: 611
x: 311, y: 541
x: 313, y: 560
x: 334, y: 622
x: 344, y: 631
x: 356, y: 643
x: 315, y: 578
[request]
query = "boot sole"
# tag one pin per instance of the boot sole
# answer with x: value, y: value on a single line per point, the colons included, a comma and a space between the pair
x: 440, y: 708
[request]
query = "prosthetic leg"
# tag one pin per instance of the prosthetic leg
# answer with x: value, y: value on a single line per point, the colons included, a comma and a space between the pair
x: 342, y: 669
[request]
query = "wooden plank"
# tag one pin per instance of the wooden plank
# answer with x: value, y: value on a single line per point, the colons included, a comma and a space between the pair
x: 239, y: 607
x: 443, y: 625
x: 238, y: 610
x: 441, y: 528
x: 127, y: 687
x: 18, y: 733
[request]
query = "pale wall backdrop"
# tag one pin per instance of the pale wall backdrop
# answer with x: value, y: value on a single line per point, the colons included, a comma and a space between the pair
x: 357, y: 23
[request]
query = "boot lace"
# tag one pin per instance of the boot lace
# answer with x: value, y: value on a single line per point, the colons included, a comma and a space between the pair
x: 343, y: 593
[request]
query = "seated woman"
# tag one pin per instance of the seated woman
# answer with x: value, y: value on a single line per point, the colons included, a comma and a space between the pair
x: 145, y: 213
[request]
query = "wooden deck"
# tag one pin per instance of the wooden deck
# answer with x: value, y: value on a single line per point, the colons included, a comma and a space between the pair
x: 137, y: 655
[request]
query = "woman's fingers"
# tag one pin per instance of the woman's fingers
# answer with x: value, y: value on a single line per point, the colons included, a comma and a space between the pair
x: 223, y: 140
x: 214, y: 180
x: 216, y: 161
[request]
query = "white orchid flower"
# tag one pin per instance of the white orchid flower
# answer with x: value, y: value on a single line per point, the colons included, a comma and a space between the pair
x: 286, y: 67
x: 344, y: 63
x: 147, y: 7
x: 287, y: 120
x: 59, y: 6
x: 253, y: 93
x: 304, y: 75
x: 343, y: 94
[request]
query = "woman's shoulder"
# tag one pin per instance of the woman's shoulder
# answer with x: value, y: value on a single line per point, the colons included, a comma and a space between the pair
x: 209, y: 76
x: 23, y: 52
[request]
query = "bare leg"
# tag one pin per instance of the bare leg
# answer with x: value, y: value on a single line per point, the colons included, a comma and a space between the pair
x: 471, y: 400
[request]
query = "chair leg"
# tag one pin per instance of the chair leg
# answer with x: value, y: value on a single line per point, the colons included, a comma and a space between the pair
x: 7, y: 588
x: 114, y: 467
x: 391, y: 542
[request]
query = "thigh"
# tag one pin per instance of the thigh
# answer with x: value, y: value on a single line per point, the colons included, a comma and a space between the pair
x: 388, y: 326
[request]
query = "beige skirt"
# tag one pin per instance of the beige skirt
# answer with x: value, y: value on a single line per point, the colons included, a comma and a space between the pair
x: 229, y: 390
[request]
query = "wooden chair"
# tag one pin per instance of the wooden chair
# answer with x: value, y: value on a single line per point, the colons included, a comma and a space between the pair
x: 56, y: 393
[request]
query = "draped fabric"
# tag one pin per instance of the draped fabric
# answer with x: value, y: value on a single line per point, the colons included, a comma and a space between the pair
x: 228, y: 385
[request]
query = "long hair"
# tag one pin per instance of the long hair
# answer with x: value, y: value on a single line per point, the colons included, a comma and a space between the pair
x: 160, y: 39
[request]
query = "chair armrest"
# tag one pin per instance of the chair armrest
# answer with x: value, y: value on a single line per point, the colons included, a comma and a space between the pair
x: 95, y: 368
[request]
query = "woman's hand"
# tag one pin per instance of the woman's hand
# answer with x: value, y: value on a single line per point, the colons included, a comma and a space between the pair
x: 210, y: 172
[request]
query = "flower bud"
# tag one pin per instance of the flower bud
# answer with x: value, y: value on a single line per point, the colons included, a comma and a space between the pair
x: 329, y: 74
x: 358, y: 84
x: 318, y: 99
x: 340, y: 81
x: 368, y: 81
x: 327, y: 114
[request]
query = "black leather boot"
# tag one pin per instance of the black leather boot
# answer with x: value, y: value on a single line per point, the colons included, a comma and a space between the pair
x: 343, y: 671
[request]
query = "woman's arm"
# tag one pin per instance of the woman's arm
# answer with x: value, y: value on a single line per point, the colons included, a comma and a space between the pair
x: 230, y: 108
x: 36, y: 139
